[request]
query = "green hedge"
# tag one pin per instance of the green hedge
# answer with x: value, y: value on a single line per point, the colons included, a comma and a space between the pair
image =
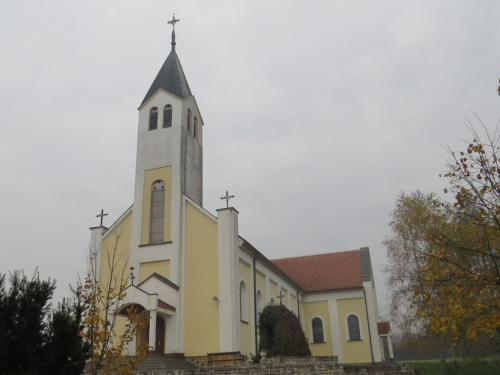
x: 281, y: 333
x: 464, y: 367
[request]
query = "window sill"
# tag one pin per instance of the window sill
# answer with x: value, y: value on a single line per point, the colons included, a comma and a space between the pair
x: 244, y: 321
x: 154, y: 244
x: 354, y: 340
x: 313, y: 343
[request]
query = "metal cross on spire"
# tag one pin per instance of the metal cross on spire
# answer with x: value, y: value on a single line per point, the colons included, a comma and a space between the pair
x: 173, y: 21
x: 227, y: 198
x: 101, y: 215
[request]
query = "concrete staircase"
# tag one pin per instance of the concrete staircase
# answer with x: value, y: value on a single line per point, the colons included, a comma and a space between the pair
x: 159, y: 362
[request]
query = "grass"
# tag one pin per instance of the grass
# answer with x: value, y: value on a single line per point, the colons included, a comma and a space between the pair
x: 463, y: 367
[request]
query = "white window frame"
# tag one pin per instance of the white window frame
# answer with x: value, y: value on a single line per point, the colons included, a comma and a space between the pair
x: 243, y: 302
x: 259, y: 308
x: 348, y: 336
x: 312, y: 331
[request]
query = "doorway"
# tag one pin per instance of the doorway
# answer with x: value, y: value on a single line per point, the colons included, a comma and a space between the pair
x: 160, y: 335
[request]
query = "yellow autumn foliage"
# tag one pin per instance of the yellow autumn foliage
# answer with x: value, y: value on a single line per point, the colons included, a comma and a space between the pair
x: 104, y: 301
x: 444, y: 256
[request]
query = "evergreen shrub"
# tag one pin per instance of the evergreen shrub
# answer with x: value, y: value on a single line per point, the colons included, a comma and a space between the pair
x: 281, y: 333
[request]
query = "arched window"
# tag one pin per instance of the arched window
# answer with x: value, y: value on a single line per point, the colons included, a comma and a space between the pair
x: 153, y: 118
x: 317, y: 330
x: 189, y: 120
x: 195, y: 126
x: 353, y: 326
x: 243, y: 302
x: 259, y: 301
x: 157, y: 212
x: 271, y: 301
x: 167, y: 116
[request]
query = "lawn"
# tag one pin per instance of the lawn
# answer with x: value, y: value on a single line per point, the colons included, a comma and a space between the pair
x: 462, y: 367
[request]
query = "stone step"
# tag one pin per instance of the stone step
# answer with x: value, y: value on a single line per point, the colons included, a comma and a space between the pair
x: 175, y: 361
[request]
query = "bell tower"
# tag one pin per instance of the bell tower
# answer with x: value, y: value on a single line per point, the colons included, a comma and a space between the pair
x: 169, y: 163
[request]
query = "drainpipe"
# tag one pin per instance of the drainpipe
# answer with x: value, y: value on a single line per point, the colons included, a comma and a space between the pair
x: 368, y: 320
x: 255, y: 305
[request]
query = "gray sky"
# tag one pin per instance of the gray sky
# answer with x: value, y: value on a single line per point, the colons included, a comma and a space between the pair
x: 317, y: 114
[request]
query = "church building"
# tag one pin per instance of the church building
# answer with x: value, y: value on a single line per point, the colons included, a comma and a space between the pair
x: 196, y: 280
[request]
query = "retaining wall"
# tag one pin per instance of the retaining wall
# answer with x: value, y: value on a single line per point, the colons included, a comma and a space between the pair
x: 290, y: 366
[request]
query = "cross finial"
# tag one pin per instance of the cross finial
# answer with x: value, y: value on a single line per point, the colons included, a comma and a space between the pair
x: 227, y: 198
x: 173, y: 21
x: 132, y: 277
x: 280, y: 297
x: 101, y: 215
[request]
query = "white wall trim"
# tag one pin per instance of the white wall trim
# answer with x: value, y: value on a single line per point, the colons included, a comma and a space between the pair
x: 244, y: 317
x: 347, y: 326
x: 311, y: 339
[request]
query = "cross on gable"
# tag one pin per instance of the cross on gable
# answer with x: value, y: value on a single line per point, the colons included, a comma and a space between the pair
x: 101, y: 215
x: 132, y: 277
x: 227, y: 198
x: 280, y: 297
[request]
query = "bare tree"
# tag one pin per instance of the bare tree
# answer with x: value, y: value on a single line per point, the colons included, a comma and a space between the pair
x: 104, y: 292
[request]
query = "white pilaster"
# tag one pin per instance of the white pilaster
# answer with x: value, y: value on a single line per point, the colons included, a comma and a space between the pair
x: 96, y: 234
x: 229, y: 292
x: 389, y: 345
x: 152, y: 331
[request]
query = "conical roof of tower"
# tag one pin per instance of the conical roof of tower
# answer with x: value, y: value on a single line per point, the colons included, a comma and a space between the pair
x: 171, y: 77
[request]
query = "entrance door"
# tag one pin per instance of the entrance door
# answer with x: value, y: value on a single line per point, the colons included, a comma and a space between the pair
x: 160, y: 335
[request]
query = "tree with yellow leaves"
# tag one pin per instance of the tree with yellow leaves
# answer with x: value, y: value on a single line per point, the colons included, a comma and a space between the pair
x: 454, y: 283
x: 407, y: 253
x: 105, y: 299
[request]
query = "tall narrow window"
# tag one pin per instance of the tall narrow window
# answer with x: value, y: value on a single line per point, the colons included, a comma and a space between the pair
x: 157, y: 212
x: 189, y: 120
x: 243, y: 302
x: 317, y: 330
x: 167, y: 116
x: 195, y: 126
x: 153, y: 118
x: 259, y: 301
x: 353, y: 325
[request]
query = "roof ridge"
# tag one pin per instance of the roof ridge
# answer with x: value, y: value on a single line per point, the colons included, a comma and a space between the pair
x: 311, y: 255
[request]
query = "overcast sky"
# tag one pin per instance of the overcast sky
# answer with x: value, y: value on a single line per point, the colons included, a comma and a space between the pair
x: 317, y: 114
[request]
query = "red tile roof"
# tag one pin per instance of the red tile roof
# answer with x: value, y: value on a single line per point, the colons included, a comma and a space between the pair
x: 383, y: 328
x: 165, y: 305
x: 324, y: 271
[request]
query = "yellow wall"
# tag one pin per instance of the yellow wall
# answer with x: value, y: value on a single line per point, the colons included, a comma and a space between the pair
x: 116, y: 244
x: 114, y: 262
x: 293, y: 304
x: 161, y: 267
x: 201, y: 314
x: 273, y: 290
x: 120, y: 323
x: 354, y: 351
x: 284, y: 300
x: 246, y: 327
x: 260, y: 280
x: 164, y: 174
x: 318, y: 309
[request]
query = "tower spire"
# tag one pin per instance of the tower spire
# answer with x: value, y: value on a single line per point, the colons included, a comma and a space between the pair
x: 172, y: 22
x: 171, y: 77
